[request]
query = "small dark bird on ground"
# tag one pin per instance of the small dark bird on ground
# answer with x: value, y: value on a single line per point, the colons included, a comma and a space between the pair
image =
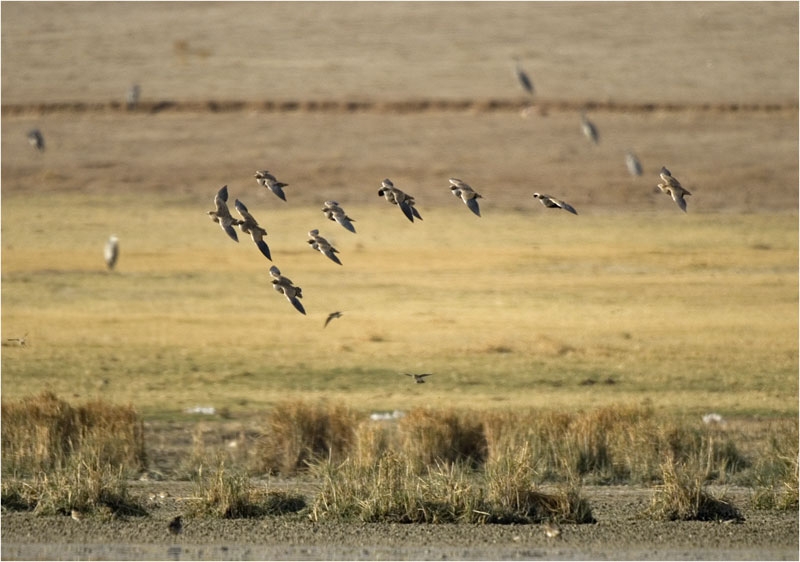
x: 331, y: 316
x: 419, y: 379
x: 175, y: 526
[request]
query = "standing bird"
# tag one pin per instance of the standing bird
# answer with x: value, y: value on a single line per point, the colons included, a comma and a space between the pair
x: 111, y: 252
x: 76, y: 515
x: 319, y: 243
x: 36, y: 139
x: 553, y: 203
x: 331, y: 316
x: 132, y: 96
x: 175, y: 526
x: 250, y: 226
x: 222, y: 215
x: 589, y: 130
x: 397, y: 197
x: 673, y: 187
x: 552, y: 530
x: 334, y: 212
x: 522, y: 76
x: 468, y: 195
x: 633, y: 164
x: 265, y: 179
x: 419, y: 379
x: 284, y: 286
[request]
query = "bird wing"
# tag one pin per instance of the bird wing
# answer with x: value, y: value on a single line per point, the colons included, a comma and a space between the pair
x: 473, y: 206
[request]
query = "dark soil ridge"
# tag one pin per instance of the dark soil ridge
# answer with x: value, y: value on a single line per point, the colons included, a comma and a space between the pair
x: 543, y: 106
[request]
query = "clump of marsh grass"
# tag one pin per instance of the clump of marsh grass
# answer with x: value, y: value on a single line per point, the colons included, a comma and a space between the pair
x: 397, y: 489
x: 775, y: 473
x: 229, y: 494
x: 44, y: 433
x: 430, y: 436
x: 81, y: 486
x: 682, y: 497
x: 297, y: 433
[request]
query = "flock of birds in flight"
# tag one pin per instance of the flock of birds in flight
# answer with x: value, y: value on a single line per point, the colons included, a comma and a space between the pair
x: 248, y: 225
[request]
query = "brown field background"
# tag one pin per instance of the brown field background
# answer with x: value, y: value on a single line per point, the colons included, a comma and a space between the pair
x: 708, y: 89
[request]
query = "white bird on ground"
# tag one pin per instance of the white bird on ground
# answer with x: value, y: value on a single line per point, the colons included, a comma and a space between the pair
x: 111, y: 251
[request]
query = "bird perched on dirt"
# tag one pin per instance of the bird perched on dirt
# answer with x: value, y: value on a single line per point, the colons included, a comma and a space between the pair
x: 284, y: 286
x: 334, y: 212
x: 76, y: 515
x: 522, y: 76
x: 397, y: 197
x: 111, y: 252
x: 250, y: 226
x: 36, y: 139
x: 589, y: 129
x: 468, y: 195
x: 552, y: 530
x: 331, y: 316
x: 320, y: 244
x: 222, y: 215
x: 419, y: 379
x: 553, y: 203
x: 673, y: 188
x: 633, y: 164
x: 175, y: 526
x: 132, y: 96
x: 265, y: 179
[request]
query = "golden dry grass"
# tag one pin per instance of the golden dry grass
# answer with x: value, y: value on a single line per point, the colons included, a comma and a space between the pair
x: 687, y: 313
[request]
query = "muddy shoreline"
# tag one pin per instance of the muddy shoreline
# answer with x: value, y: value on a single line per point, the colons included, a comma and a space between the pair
x: 622, y: 532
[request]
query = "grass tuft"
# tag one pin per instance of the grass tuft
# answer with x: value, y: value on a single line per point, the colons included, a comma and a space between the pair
x: 229, y: 494
x: 683, y: 498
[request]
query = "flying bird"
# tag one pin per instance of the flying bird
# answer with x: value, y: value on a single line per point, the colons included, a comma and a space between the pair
x: 673, y: 188
x: 265, y: 179
x: 284, y: 286
x: 334, y: 212
x: 222, y: 215
x: 111, y: 252
x: 522, y: 76
x: 468, y: 195
x: 553, y: 203
x: 633, y: 164
x: 175, y: 526
x: 331, y: 316
x: 589, y: 129
x: 36, y: 139
x: 320, y: 244
x: 250, y: 226
x: 419, y: 379
x: 397, y: 197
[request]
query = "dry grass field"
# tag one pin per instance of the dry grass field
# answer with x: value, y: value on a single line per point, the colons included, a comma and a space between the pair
x: 632, y: 303
x: 523, y: 306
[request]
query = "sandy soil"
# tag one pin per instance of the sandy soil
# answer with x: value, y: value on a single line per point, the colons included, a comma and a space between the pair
x: 708, y: 88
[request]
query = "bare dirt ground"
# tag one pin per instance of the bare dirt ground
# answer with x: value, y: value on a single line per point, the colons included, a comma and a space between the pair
x: 338, y: 96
